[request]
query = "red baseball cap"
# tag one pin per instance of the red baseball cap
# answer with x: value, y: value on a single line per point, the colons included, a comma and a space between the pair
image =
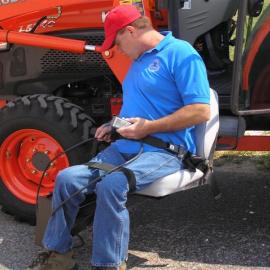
x: 116, y: 19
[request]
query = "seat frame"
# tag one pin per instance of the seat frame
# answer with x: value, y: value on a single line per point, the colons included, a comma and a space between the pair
x: 206, y: 136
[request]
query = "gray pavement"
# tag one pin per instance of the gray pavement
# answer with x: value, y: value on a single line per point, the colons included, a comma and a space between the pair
x: 184, y: 231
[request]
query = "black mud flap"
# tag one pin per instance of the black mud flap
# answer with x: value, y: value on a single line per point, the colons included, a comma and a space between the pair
x: 44, y: 210
x: 43, y: 213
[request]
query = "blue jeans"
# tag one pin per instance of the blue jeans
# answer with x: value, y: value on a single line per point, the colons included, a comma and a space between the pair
x: 111, y: 220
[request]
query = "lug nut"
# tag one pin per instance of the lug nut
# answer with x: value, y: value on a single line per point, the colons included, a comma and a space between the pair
x: 34, y: 150
x: 46, y: 152
x: 28, y: 160
x: 46, y: 174
x: 34, y: 171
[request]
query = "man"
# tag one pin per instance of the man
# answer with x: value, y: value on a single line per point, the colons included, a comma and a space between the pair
x: 165, y: 94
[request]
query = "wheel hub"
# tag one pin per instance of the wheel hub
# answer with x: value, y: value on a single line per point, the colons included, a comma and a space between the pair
x: 40, y: 161
x: 24, y: 156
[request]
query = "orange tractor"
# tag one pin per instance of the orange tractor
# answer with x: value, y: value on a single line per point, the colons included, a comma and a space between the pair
x: 55, y: 86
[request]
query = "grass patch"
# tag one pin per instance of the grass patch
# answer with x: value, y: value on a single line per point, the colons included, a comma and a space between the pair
x: 260, y: 159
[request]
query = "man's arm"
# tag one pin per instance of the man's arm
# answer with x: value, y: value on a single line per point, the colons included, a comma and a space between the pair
x: 185, y: 117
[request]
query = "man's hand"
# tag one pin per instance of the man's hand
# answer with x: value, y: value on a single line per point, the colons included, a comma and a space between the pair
x: 185, y: 117
x: 138, y: 130
x: 103, y: 133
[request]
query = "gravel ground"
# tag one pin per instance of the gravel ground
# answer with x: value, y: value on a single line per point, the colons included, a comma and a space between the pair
x: 185, y: 231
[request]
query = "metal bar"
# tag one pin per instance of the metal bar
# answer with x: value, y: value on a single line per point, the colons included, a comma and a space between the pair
x: 253, y: 112
x: 174, y: 17
x: 245, y: 143
x: 90, y: 48
x: 237, y: 68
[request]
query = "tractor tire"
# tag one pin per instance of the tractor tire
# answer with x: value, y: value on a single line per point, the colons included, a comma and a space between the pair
x: 35, y: 129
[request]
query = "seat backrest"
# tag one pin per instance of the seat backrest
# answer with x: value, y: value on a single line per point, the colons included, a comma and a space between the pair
x: 206, y: 132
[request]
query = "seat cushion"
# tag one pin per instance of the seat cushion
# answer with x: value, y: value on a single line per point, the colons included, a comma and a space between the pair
x: 171, y: 183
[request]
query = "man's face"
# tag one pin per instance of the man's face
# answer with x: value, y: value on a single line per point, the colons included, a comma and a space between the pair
x: 126, y: 42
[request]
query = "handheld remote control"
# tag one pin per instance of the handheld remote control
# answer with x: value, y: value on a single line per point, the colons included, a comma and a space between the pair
x: 118, y: 122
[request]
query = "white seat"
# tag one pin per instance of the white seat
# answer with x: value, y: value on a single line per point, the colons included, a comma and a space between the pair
x: 206, y: 134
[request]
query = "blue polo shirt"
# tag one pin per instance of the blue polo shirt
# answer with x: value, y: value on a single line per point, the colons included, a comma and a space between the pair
x: 160, y: 82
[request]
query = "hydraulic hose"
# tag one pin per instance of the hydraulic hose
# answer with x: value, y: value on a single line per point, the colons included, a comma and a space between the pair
x: 95, y: 180
x: 55, y: 158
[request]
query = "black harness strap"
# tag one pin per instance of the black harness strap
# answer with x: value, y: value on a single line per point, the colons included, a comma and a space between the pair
x: 110, y: 168
x: 193, y: 162
x: 190, y: 161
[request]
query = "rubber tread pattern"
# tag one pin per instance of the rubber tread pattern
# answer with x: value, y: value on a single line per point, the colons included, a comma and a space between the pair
x: 70, y: 115
x: 73, y: 114
x: 26, y: 101
x: 59, y: 108
x: 42, y: 101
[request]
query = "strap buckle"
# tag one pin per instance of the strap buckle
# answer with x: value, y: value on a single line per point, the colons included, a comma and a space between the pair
x: 178, y: 150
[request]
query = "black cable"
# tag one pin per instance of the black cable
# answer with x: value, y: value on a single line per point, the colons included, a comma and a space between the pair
x: 56, y: 157
x: 96, y: 180
x: 33, y: 30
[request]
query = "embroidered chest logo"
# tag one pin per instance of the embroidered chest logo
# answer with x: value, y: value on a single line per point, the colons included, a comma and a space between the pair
x: 154, y: 66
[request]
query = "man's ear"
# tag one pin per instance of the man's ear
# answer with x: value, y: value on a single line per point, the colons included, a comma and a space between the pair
x: 131, y: 29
